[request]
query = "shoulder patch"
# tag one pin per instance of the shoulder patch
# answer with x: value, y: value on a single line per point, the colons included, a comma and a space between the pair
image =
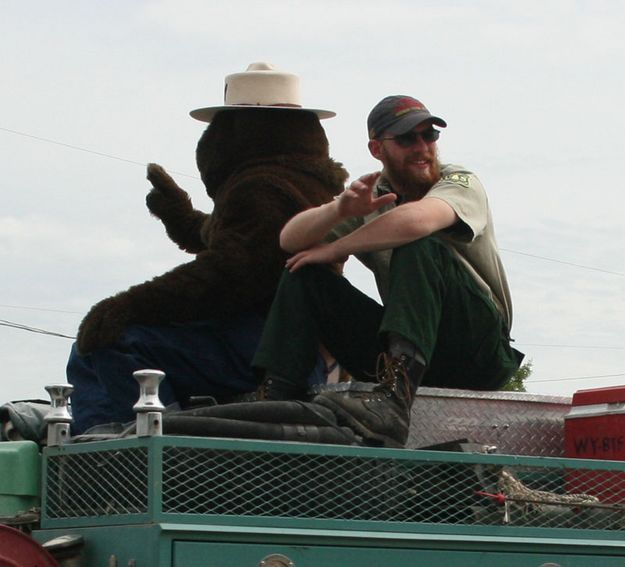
x: 458, y: 178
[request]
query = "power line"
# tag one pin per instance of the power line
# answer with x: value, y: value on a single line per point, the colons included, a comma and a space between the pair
x: 34, y: 329
x: 563, y: 262
x: 576, y: 378
x: 571, y: 346
x: 78, y: 148
x: 5, y: 323
x: 39, y: 309
x: 10, y: 324
x: 111, y: 156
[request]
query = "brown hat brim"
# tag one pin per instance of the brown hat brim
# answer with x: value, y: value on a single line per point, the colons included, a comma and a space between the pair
x: 208, y: 113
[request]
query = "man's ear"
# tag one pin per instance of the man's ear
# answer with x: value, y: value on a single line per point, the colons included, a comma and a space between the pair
x: 375, y: 149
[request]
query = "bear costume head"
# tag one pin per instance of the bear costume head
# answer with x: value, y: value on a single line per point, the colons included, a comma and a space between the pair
x: 238, y: 137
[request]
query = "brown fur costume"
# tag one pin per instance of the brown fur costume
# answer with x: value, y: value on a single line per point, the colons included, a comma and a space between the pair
x: 260, y: 167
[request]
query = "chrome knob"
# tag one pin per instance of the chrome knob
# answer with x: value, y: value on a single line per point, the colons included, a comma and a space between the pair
x: 58, y: 418
x: 149, y: 406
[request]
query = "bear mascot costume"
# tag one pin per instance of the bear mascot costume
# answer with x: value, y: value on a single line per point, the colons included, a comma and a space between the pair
x: 263, y: 158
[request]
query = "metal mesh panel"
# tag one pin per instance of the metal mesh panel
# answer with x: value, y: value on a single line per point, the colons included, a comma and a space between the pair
x: 98, y: 483
x: 440, y: 488
x: 275, y: 484
x: 231, y: 483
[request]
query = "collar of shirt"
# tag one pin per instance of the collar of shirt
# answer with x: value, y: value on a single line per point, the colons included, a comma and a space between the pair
x: 384, y: 187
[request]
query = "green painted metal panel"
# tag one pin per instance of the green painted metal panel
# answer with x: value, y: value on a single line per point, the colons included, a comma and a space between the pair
x: 194, y: 554
x: 170, y: 545
x: 138, y: 545
x: 20, y: 473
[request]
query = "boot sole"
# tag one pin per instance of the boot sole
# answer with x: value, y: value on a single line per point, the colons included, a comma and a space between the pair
x: 347, y: 419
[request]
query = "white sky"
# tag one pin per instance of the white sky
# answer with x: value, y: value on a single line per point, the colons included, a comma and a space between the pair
x: 532, y: 92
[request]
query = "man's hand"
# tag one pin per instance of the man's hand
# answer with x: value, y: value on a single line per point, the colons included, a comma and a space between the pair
x: 308, y: 228
x: 319, y: 254
x: 358, y: 201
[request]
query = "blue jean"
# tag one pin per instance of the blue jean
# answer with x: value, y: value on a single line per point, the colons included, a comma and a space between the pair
x: 202, y: 358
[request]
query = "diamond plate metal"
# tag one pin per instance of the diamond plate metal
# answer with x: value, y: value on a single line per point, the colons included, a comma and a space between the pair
x: 516, y: 423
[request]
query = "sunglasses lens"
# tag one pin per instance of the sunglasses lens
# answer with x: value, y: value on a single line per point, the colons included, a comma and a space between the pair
x: 406, y: 140
x: 430, y: 135
x: 410, y: 138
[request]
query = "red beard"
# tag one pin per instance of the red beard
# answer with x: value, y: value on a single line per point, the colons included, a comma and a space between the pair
x: 411, y: 182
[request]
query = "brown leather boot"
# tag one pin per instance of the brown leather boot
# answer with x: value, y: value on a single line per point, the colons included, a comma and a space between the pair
x: 382, y: 414
x: 276, y: 388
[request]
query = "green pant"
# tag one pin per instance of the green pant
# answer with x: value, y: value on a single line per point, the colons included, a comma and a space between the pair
x: 433, y: 302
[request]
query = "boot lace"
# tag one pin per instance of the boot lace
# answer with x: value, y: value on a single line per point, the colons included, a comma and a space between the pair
x: 262, y: 392
x: 393, y: 377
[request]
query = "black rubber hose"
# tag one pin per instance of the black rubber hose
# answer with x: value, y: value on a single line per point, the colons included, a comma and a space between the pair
x: 295, y: 412
x: 220, y: 427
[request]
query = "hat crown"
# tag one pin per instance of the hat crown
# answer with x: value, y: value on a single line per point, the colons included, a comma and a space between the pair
x: 397, y: 114
x: 262, y: 84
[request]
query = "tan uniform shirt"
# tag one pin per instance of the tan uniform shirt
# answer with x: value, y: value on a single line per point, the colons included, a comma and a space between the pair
x: 472, y: 238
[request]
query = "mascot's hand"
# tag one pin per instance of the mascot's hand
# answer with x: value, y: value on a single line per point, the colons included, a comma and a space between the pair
x: 104, y: 323
x: 165, y: 196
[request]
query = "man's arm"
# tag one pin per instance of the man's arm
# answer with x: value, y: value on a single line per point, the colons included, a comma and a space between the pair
x: 403, y: 224
x: 311, y: 226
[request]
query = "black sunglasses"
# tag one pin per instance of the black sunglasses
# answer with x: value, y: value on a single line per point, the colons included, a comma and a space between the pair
x: 410, y: 138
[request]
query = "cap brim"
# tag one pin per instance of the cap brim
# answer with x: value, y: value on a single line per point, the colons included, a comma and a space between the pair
x: 412, y: 120
x: 207, y: 114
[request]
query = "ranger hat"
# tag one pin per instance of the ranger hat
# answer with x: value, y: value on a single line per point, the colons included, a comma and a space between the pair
x: 398, y: 114
x: 261, y: 85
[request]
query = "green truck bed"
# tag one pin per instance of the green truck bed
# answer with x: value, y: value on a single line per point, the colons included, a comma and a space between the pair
x: 182, y: 501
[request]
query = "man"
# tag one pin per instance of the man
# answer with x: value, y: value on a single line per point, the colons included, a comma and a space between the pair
x: 425, y: 230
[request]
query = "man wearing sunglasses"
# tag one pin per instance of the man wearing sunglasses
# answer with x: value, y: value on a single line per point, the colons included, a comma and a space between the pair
x: 425, y: 230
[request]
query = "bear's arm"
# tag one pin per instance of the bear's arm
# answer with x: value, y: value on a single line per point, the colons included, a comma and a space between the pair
x: 238, y: 271
x: 186, y: 230
x: 172, y: 205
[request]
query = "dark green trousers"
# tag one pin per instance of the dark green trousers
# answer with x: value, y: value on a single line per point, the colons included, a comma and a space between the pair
x: 433, y: 302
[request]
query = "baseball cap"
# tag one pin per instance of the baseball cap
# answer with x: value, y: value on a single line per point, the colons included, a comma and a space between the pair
x: 398, y: 114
